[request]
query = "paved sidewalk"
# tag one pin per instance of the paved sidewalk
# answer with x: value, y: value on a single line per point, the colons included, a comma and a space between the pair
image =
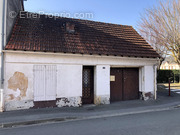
x: 35, y: 116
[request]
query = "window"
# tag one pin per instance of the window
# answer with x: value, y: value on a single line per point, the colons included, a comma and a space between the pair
x: 45, y: 82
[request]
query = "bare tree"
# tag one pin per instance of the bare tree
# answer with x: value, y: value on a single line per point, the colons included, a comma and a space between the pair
x: 160, y: 26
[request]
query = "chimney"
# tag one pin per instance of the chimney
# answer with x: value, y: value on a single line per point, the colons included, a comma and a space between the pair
x: 70, y: 27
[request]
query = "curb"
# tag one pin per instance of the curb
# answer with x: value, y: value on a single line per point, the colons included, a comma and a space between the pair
x: 67, y: 119
x: 128, y: 113
x: 33, y: 122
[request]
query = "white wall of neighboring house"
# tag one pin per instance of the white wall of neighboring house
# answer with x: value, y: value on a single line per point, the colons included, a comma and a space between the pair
x: 19, y: 66
x: 171, y: 66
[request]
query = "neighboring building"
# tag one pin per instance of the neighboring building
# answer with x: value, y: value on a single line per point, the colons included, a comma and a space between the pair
x: 169, y: 64
x: 70, y: 62
x: 11, y: 10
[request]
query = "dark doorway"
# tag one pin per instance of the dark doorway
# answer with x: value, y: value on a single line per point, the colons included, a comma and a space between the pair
x: 124, y: 84
x: 88, y: 85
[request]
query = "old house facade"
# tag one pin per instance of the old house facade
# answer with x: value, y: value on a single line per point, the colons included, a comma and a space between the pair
x: 69, y: 62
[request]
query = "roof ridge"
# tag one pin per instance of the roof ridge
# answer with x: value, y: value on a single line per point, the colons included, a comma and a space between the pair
x: 80, y: 19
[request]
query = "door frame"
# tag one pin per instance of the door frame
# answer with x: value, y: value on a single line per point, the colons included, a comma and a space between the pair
x: 123, y: 68
x: 92, y: 84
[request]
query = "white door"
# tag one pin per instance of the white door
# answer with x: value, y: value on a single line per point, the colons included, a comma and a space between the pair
x: 45, y: 82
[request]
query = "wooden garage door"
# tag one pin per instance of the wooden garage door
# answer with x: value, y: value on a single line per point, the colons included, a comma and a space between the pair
x: 124, y: 84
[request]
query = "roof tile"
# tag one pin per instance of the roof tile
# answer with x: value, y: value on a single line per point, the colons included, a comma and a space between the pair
x: 49, y: 35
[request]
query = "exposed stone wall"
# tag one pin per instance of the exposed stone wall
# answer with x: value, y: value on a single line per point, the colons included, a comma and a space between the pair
x: 102, y: 100
x: 28, y: 104
x: 69, y: 102
x: 18, y: 105
x: 18, y: 82
x: 146, y: 96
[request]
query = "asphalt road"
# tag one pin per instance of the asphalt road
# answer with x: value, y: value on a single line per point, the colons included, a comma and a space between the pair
x: 154, y: 123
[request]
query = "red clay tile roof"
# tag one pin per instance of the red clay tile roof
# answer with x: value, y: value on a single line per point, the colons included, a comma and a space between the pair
x: 49, y: 35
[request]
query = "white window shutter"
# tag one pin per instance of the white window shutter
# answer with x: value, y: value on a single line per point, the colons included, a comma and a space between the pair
x: 45, y: 82
x: 51, y: 82
x: 39, y: 83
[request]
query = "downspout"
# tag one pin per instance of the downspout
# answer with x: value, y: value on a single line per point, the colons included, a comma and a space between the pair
x: 2, y: 59
x: 155, y: 87
x: 155, y: 80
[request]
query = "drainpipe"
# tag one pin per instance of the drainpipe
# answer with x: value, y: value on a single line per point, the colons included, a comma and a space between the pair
x: 2, y: 59
x: 155, y: 81
x: 155, y: 87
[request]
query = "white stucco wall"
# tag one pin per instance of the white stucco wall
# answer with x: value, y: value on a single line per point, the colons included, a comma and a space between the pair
x: 60, y: 58
x: 147, y: 83
x: 102, y: 84
x: 148, y: 79
x: 69, y: 76
x: 102, y: 77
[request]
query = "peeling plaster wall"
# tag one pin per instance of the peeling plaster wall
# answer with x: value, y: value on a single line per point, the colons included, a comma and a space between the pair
x: 103, y: 99
x: 69, y: 86
x: 69, y: 102
x: 69, y: 77
x: 18, y: 105
x: 18, y: 86
x: 18, y: 82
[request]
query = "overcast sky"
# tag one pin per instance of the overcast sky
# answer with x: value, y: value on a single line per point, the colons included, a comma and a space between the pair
x: 126, y: 12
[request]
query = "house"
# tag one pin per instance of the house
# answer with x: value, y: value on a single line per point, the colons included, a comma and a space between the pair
x: 70, y: 62
x: 169, y: 64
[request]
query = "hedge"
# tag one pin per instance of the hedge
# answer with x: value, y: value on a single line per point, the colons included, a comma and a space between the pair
x: 164, y: 75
